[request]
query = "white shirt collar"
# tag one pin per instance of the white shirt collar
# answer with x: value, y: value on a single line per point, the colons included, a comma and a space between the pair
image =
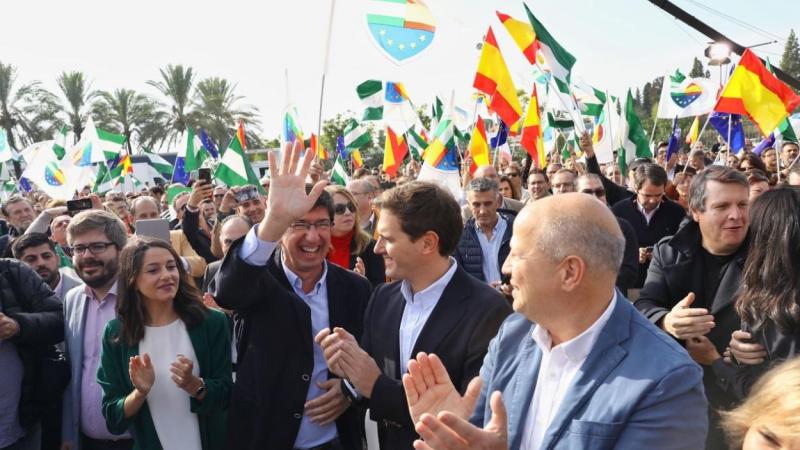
x: 579, y: 347
x: 496, y: 224
x: 433, y: 292
x: 297, y: 283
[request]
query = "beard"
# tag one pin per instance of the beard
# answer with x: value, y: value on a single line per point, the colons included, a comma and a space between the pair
x: 108, y: 271
x: 49, y: 276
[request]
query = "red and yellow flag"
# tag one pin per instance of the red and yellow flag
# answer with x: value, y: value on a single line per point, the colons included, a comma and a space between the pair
x: 694, y: 131
x: 240, y: 134
x: 532, y: 139
x: 755, y: 92
x: 394, y: 152
x: 317, y: 148
x: 127, y: 165
x: 493, y: 79
x: 523, y: 35
x: 355, y: 156
x: 479, y: 146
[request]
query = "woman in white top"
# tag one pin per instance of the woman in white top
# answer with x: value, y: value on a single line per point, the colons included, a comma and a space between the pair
x: 166, y: 364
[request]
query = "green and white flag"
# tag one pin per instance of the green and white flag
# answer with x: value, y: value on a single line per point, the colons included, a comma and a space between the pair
x: 339, y: 173
x: 161, y: 165
x: 103, y: 181
x: 60, y: 142
x: 634, y: 143
x: 96, y: 145
x: 371, y: 94
x: 437, y: 110
x: 195, y: 152
x: 591, y: 101
x: 234, y: 168
x: 557, y: 58
x: 416, y: 144
x: 356, y: 135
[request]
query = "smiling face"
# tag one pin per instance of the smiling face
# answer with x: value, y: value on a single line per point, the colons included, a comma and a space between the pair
x: 253, y: 209
x: 158, y: 277
x: 400, y: 253
x: 305, y: 249
x: 96, y: 270
x: 724, y: 222
x: 538, y: 186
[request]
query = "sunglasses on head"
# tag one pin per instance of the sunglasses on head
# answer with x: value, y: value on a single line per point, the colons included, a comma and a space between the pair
x: 341, y: 208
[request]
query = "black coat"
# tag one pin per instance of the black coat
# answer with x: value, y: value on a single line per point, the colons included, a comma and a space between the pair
x: 373, y: 264
x: 779, y: 346
x: 197, y: 239
x: 276, y: 349
x: 459, y: 329
x: 469, y: 254
x: 40, y: 316
x: 629, y: 269
x: 665, y: 222
x: 614, y: 192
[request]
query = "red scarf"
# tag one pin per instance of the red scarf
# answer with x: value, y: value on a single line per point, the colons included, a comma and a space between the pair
x: 340, y: 250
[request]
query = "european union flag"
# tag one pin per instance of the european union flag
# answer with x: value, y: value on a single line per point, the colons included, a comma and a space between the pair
x: 179, y: 175
x: 501, y: 137
x: 733, y: 125
x: 674, y: 139
x: 208, y: 144
x: 25, y: 185
x: 340, y: 147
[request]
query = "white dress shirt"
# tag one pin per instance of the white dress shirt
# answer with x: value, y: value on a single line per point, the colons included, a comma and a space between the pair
x: 417, y: 311
x: 648, y: 215
x: 490, y: 249
x: 557, y: 370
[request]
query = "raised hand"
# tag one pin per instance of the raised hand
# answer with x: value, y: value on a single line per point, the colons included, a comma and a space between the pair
x: 142, y: 374
x: 287, y: 199
x: 430, y: 391
x: 585, y: 144
x: 450, y: 432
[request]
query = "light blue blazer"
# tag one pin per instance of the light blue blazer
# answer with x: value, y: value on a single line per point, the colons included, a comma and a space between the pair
x: 637, y: 388
x: 74, y: 321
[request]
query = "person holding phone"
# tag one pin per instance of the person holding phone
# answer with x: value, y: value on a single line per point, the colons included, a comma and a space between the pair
x: 199, y: 236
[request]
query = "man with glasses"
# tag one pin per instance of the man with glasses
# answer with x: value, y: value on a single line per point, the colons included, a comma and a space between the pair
x: 96, y: 238
x: 277, y: 280
x: 364, y: 192
x: 564, y: 181
x: 591, y: 184
x: 652, y: 215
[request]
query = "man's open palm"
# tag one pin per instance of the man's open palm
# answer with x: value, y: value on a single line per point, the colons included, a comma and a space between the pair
x: 429, y: 389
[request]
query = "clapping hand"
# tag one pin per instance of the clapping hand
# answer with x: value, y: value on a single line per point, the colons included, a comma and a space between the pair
x: 182, y: 375
x: 347, y: 360
x: 140, y: 370
x: 447, y: 431
x: 430, y: 391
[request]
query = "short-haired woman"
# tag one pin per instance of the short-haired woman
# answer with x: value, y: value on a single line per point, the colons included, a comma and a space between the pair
x: 166, y: 359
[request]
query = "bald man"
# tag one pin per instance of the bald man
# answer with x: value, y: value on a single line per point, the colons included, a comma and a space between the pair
x: 576, y: 366
x: 509, y: 204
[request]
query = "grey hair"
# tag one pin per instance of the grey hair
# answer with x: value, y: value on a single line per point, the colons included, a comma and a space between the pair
x: 698, y: 190
x: 98, y: 220
x: 483, y: 184
x: 14, y: 199
x: 569, y: 235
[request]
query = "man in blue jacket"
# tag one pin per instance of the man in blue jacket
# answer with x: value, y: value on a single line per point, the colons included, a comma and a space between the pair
x: 577, y: 367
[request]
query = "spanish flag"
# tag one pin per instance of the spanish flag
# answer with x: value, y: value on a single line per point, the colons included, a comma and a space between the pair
x: 493, y: 79
x: 532, y: 139
x: 317, y: 148
x: 523, y: 35
x: 394, y: 152
x: 479, y: 146
x: 755, y: 92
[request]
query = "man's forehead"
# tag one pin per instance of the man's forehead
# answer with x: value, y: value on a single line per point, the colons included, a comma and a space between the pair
x: 37, y: 250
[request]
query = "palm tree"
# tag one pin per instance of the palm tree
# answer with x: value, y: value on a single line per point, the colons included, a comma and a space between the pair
x: 216, y: 110
x: 125, y: 112
x: 28, y: 112
x: 78, y: 95
x: 176, y: 85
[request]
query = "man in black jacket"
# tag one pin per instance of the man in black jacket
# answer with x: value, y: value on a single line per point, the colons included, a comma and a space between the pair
x: 694, y: 275
x: 614, y: 192
x: 276, y: 279
x: 434, y: 306
x: 651, y: 214
x: 31, y: 323
x: 20, y: 214
x: 484, y: 244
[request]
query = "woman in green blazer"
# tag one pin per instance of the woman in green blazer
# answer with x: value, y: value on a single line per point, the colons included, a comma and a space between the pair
x: 165, y: 365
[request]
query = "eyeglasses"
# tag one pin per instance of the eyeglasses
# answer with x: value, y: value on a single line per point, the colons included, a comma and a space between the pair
x: 322, y: 225
x: 512, y: 174
x: 342, y: 208
x: 95, y: 248
x: 599, y: 192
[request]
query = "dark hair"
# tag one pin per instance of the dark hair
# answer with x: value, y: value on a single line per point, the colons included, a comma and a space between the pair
x: 771, y: 276
x: 653, y: 173
x: 325, y: 200
x: 539, y: 172
x: 132, y: 314
x: 638, y: 162
x: 756, y: 176
x: 29, y: 240
x: 157, y: 190
x: 514, y: 189
x: 698, y: 189
x: 422, y: 207
x: 755, y: 162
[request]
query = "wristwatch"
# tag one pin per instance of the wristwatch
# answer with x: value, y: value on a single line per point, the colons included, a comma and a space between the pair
x: 200, y: 390
x: 351, y: 393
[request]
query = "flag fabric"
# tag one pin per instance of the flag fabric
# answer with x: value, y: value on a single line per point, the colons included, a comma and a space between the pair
x: 437, y: 147
x: 394, y: 152
x: 634, y: 142
x: 339, y: 173
x: 786, y: 129
x: 694, y: 131
x: 195, y: 153
x: 208, y: 144
x: 340, y: 148
x: 317, y: 148
x: 437, y: 111
x: 371, y: 94
x: 401, y: 29
x: 57, y: 180
x: 161, y: 165
x: 604, y: 137
x: 557, y: 59
x: 522, y: 34
x: 234, y: 168
x: 729, y: 126
x: 291, y: 126
x: 767, y: 142
x: 493, y: 78
x: 479, y: 146
x: 6, y: 153
x: 682, y: 96
x: 60, y: 142
x: 755, y: 92
x: 532, y: 139
x: 499, y: 142
x: 243, y: 136
x: 674, y: 142
x: 591, y: 101
x: 355, y: 157
x: 416, y: 144
x: 398, y: 113
x: 96, y: 145
x: 356, y: 135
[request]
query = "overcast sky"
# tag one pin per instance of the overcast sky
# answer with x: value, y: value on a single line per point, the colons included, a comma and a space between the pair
x: 618, y: 44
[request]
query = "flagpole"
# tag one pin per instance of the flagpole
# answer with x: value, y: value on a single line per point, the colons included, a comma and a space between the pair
x: 550, y: 80
x: 653, y: 132
x: 325, y: 68
x: 730, y: 126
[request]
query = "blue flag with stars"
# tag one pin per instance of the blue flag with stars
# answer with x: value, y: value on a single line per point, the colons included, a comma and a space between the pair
x: 400, y: 29
x: 721, y: 122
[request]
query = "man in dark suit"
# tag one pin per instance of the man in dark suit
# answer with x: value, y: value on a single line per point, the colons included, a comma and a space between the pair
x: 277, y: 280
x: 434, y: 306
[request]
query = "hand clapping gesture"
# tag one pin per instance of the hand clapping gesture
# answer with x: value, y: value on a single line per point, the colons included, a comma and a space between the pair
x: 142, y: 374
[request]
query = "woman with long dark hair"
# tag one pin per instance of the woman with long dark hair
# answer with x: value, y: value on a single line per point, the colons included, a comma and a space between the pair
x: 769, y: 299
x: 166, y: 362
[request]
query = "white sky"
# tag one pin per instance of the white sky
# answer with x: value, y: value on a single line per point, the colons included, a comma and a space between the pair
x: 618, y: 43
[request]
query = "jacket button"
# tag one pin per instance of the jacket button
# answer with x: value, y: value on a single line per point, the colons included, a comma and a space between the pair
x: 306, y: 377
x: 297, y: 416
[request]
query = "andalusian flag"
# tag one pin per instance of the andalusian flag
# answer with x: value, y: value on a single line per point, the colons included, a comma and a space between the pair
x: 234, y: 168
x: 60, y: 142
x: 339, y: 173
x: 356, y: 135
x: 371, y: 94
x: 416, y: 144
x: 532, y: 139
x: 634, y: 140
x: 161, y: 165
x: 558, y: 59
x: 394, y: 152
x: 755, y: 92
x: 95, y: 145
x: 523, y: 35
x: 493, y: 79
x: 195, y: 152
x: 479, y: 146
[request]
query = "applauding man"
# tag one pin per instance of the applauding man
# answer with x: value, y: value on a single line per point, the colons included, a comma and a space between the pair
x: 277, y: 281
x: 433, y: 306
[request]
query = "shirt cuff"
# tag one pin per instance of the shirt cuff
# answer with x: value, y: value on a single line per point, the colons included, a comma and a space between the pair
x: 254, y: 251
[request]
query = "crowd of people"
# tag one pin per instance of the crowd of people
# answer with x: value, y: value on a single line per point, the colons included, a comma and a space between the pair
x: 574, y: 306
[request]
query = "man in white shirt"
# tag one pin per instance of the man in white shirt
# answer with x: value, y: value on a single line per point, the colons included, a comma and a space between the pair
x: 578, y: 366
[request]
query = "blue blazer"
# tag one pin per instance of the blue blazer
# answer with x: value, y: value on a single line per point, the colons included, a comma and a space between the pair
x: 637, y: 388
